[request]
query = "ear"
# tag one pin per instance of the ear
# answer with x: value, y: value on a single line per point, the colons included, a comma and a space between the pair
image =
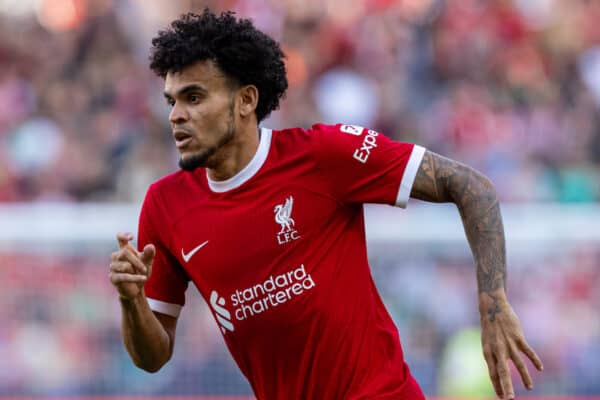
x: 248, y: 100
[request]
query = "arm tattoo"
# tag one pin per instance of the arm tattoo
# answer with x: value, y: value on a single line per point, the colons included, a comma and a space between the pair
x: 494, y: 309
x: 440, y: 179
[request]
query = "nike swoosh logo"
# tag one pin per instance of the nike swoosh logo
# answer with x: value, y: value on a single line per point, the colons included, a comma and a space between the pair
x: 186, y: 257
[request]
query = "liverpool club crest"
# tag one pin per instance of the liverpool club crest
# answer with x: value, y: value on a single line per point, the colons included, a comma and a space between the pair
x: 283, y: 216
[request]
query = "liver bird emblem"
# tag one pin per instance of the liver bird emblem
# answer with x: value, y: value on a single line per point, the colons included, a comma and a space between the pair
x: 283, y: 215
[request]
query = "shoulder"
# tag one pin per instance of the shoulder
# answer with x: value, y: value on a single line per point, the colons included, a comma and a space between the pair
x: 316, y: 129
x: 324, y: 141
x: 177, y: 188
x: 167, y: 184
x: 299, y: 138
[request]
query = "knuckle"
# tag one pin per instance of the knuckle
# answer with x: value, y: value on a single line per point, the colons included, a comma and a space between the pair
x: 502, y: 370
x: 500, y: 351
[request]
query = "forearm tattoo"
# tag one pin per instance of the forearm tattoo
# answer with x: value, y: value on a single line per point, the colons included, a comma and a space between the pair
x: 440, y: 179
x: 494, y: 309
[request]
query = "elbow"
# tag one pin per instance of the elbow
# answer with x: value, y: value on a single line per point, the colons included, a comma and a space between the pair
x: 486, y: 187
x: 150, y: 355
x: 475, y: 186
x: 150, y: 367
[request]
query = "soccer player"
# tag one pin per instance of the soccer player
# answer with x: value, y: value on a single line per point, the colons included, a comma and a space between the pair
x: 269, y: 227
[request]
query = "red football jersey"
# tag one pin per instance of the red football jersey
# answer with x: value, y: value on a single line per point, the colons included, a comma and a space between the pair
x: 278, y: 252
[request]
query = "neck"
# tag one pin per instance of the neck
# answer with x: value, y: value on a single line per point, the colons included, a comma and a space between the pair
x: 233, y: 157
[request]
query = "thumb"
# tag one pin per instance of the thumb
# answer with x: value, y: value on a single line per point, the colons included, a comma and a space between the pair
x: 148, y: 254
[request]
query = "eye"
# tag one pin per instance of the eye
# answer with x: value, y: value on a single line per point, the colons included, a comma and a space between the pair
x: 194, y: 98
x: 170, y: 102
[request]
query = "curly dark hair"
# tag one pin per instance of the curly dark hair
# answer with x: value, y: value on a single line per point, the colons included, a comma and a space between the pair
x: 241, y: 51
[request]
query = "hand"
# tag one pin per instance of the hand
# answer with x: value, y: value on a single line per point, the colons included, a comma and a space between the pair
x: 502, y: 338
x: 130, y: 269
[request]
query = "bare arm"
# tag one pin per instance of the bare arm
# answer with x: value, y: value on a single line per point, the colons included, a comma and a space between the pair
x: 440, y: 179
x: 148, y: 337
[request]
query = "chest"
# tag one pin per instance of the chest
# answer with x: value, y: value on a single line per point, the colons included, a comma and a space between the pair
x: 234, y: 241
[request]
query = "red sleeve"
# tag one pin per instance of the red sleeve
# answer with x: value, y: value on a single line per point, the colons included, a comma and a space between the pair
x: 165, y: 289
x: 365, y: 166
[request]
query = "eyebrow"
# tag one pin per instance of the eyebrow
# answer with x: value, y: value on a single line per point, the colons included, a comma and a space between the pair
x: 194, y: 87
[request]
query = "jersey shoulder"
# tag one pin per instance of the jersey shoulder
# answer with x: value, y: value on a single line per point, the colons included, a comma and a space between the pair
x: 299, y: 140
x: 171, y: 194
x: 170, y: 185
x: 299, y: 133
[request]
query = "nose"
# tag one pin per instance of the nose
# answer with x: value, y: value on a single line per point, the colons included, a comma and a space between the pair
x: 178, y: 114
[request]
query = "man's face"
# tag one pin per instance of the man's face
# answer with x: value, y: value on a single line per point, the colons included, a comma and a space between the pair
x: 202, y: 115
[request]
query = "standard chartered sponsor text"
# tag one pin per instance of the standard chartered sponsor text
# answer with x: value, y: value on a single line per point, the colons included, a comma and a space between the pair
x: 275, y: 290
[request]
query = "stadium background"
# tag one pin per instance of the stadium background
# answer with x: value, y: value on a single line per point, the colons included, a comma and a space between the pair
x: 510, y: 87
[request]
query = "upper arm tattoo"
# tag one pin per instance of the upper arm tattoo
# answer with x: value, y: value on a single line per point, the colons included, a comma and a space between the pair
x: 440, y: 179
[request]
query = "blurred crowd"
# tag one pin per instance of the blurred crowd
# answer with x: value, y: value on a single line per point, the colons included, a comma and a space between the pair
x: 61, y: 329
x: 511, y: 87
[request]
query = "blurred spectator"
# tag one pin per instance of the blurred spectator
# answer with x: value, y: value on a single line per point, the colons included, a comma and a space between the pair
x: 61, y: 332
x: 511, y: 87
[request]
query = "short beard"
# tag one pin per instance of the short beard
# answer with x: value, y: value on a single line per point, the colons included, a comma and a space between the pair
x: 201, y: 159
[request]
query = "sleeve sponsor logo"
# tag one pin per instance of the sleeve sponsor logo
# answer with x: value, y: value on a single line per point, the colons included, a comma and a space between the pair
x: 352, y: 129
x: 368, y: 144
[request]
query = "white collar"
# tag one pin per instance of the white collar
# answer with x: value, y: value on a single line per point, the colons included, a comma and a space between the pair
x: 249, y: 170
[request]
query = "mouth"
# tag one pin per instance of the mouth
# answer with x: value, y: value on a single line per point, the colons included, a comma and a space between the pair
x: 182, y: 138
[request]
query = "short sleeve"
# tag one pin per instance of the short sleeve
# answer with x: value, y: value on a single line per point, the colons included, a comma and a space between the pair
x: 165, y: 289
x: 365, y: 166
